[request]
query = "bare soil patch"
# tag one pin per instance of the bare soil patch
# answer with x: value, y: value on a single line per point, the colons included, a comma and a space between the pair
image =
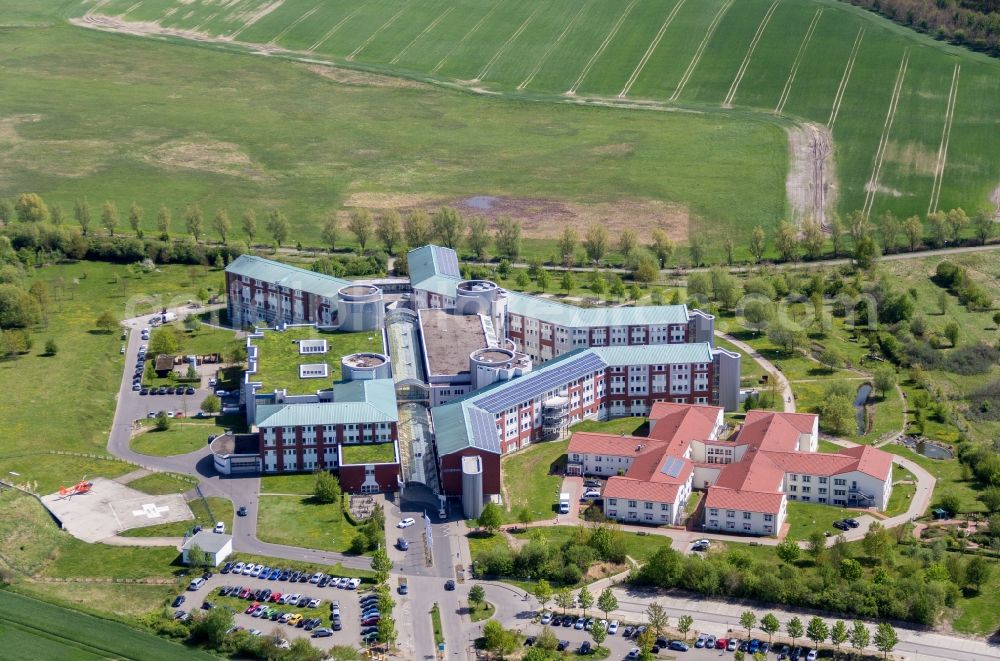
x: 206, y: 155
x: 8, y: 126
x: 362, y: 78
x: 811, y: 185
x: 619, y: 149
x: 543, y: 218
x: 912, y: 157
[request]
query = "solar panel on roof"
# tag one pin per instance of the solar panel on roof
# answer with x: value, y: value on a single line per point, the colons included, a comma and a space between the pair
x: 484, y: 430
x: 447, y: 262
x: 673, y: 466
x: 532, y: 385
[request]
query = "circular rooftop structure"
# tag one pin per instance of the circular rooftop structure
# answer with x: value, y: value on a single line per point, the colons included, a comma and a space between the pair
x: 366, y: 365
x: 477, y: 286
x: 358, y: 292
x: 491, y: 356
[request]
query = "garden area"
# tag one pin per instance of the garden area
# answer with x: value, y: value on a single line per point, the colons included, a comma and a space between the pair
x: 184, y: 435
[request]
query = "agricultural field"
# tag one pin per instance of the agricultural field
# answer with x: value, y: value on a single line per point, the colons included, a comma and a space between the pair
x: 912, y: 121
x: 224, y: 130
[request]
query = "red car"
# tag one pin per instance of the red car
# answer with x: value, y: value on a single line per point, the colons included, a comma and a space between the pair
x: 721, y: 643
x: 371, y: 621
x: 275, y: 596
x: 252, y: 607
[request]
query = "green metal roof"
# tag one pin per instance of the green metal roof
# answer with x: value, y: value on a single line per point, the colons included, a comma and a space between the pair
x: 430, y: 261
x: 561, y: 314
x: 284, y: 275
x: 655, y: 354
x: 354, y: 402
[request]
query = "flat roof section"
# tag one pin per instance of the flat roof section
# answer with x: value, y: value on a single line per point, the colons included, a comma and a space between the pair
x: 448, y: 340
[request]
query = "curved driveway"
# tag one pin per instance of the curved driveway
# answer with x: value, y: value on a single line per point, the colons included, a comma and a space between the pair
x: 241, y: 491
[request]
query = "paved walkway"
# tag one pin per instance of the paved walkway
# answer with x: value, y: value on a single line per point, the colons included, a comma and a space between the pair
x: 769, y: 367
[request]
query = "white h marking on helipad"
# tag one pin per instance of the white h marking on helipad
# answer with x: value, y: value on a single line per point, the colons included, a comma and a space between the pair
x: 151, y: 510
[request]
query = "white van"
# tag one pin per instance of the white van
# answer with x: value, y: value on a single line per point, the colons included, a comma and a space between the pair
x: 220, y: 527
x: 196, y: 583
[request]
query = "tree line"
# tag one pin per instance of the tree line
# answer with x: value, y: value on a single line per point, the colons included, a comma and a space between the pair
x: 971, y: 23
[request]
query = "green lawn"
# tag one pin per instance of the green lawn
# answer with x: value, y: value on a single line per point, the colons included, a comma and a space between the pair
x: 639, y: 547
x: 279, y: 359
x: 300, y: 521
x: 80, y: 291
x: 181, y: 438
x: 948, y: 473
x: 300, y: 483
x: 35, y: 629
x: 163, y: 483
x: 629, y: 426
x: 45, y: 473
x: 436, y: 624
x: 218, y: 509
x: 806, y: 518
x: 899, y: 500
x: 532, y: 478
x: 482, y: 612
x: 368, y: 453
x: 482, y: 541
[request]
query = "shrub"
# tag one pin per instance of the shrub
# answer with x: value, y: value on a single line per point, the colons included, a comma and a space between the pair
x: 972, y: 359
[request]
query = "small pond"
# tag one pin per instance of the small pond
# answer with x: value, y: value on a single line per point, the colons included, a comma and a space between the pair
x: 928, y: 448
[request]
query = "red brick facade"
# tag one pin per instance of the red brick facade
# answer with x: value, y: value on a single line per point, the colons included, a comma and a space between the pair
x: 451, y: 471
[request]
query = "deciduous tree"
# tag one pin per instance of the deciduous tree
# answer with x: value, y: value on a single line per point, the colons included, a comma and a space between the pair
x: 163, y: 222
x: 222, y: 224
x: 249, y: 224
x: 885, y: 638
x: 838, y: 635
x: 448, y: 226
x: 607, y: 602
x: 758, y: 243
x: 983, y: 225
x: 662, y: 247
x: 81, y: 211
x: 657, y: 618
x: 543, y: 592
x: 330, y: 231
x: 327, y: 487
x: 812, y: 238
x: 585, y: 599
x: 211, y: 404
x: 817, y: 631
x: 490, y: 518
x: 31, y: 208
x: 860, y: 636
x: 595, y: 242
x: 794, y: 629
x: 135, y: 216
x: 567, y: 245
x: 277, y: 225
x: 508, y: 237
x: 109, y: 217
x: 748, y: 620
x: 770, y: 625
x: 194, y: 221
x: 417, y: 228
x: 626, y: 243
x: 106, y: 322
x: 478, y: 238
x: 914, y: 231
x: 684, y: 624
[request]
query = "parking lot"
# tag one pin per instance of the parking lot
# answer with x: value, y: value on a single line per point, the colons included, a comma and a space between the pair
x: 620, y: 646
x: 350, y: 610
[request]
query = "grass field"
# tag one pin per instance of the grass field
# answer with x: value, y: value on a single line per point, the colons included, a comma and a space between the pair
x: 279, y: 357
x: 300, y: 521
x: 532, y: 481
x: 820, y: 61
x: 225, y: 130
x: 806, y: 518
x: 163, y: 483
x: 35, y: 629
x: 368, y: 453
x: 182, y: 437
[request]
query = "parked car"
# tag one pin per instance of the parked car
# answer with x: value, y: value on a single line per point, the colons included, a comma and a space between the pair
x: 323, y: 582
x: 449, y: 585
x: 529, y: 641
x: 721, y: 643
x: 562, y: 646
x: 178, y: 600
x: 678, y: 646
x: 613, y: 627
x: 811, y: 655
x: 593, y: 494
x: 853, y: 523
x: 634, y: 653
x: 353, y: 584
x: 371, y: 621
x: 406, y: 523
x: 545, y: 619
x: 733, y: 644
x: 584, y: 648
x: 189, y: 391
x: 709, y: 642
x: 196, y: 584
x: 701, y: 545
x: 841, y: 525
x: 221, y: 393
x: 402, y: 544
x: 242, y: 511
x: 579, y: 624
x: 294, y: 619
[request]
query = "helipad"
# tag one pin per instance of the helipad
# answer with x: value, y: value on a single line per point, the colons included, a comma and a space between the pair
x: 110, y: 508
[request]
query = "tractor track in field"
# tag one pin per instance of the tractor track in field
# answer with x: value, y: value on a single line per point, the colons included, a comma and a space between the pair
x: 652, y: 48
x: 745, y: 64
x: 696, y: 58
x: 787, y: 90
x: 942, y: 156
x: 291, y: 26
x: 256, y: 16
x: 548, y: 51
x: 838, y: 98
x: 890, y: 116
x: 507, y: 44
x: 336, y: 28
x: 473, y: 30
x: 385, y: 26
x: 600, y: 49
x: 433, y: 24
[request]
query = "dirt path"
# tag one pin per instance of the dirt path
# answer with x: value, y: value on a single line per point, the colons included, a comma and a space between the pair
x: 769, y: 367
x: 811, y: 184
